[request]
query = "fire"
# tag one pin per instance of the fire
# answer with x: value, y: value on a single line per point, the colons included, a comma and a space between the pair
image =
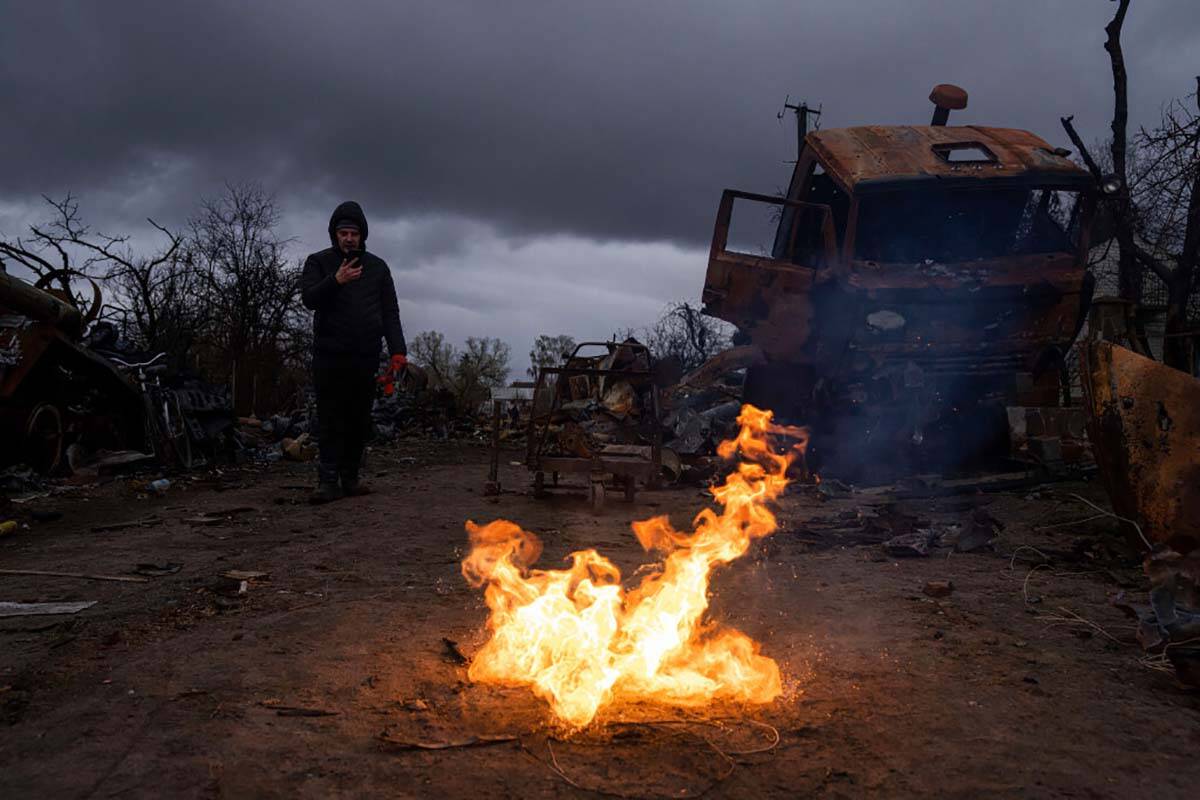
x: 581, y: 641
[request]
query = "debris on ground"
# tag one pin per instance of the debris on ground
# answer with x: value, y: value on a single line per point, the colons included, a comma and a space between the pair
x: 980, y: 530
x: 42, y: 609
x: 282, y: 710
x: 299, y: 449
x: 938, y: 589
x: 910, y: 545
x: 157, y: 570
x: 1169, y: 626
x: 145, y: 522
x: 387, y: 738
x: 245, y: 575
x: 19, y: 479
x: 80, y: 575
x: 452, y: 654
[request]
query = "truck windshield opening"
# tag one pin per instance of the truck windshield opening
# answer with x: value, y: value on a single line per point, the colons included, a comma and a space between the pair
x: 965, y: 224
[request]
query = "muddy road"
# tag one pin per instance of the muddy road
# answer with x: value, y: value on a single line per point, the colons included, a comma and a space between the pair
x: 329, y: 674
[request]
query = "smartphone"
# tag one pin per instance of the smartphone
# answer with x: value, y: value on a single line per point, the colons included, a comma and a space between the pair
x: 353, y: 254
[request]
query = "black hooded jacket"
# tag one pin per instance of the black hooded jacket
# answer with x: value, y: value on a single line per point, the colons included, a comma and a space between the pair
x: 351, y: 318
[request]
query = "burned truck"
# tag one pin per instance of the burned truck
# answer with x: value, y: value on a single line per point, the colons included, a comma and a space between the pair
x: 915, y: 281
x: 69, y: 391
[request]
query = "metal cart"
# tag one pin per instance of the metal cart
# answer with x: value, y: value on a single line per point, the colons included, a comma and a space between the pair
x: 625, y: 464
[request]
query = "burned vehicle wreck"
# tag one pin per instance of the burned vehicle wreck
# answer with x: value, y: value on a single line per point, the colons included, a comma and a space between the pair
x: 70, y: 393
x: 920, y: 279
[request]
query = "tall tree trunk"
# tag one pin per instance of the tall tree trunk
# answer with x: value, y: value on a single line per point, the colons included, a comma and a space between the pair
x: 1129, y: 271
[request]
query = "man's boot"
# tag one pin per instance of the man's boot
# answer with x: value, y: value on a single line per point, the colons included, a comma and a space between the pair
x: 327, y: 487
x: 353, y: 487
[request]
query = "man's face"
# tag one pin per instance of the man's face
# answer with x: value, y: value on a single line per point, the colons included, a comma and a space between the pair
x: 348, y: 239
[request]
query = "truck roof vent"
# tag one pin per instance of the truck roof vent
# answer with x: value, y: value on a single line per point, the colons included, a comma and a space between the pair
x: 964, y: 153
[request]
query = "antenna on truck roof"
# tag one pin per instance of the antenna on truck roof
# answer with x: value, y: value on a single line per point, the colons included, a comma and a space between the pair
x: 802, y: 112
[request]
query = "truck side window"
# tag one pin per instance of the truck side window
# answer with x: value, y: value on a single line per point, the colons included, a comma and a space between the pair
x: 822, y: 190
x: 799, y: 238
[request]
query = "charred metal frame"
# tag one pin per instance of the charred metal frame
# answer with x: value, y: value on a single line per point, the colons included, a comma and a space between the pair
x: 628, y: 468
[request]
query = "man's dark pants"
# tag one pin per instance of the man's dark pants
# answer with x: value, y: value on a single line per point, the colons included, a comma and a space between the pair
x: 345, y: 393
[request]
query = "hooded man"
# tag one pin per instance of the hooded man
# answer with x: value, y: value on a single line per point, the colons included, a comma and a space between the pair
x: 354, y: 298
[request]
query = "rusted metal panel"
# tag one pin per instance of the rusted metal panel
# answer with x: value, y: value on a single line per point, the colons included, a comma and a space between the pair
x: 877, y: 157
x: 1144, y: 424
x: 770, y: 295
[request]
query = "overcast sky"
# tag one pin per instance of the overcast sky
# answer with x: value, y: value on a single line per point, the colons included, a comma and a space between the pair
x: 526, y: 166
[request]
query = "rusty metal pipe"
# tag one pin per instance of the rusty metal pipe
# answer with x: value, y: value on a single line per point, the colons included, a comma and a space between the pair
x: 23, y: 298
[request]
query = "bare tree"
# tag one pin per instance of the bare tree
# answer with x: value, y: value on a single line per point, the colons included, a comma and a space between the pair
x: 429, y: 349
x: 1155, y: 211
x: 251, y: 288
x: 469, y: 374
x: 549, y: 351
x: 1168, y: 204
x: 1129, y: 273
x: 47, y: 249
x: 482, y: 366
x: 683, y: 331
x: 155, y: 289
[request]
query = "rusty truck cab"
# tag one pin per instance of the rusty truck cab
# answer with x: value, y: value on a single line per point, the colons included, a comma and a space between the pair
x: 916, y: 272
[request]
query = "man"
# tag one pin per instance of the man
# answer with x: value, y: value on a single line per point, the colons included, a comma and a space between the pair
x: 354, y: 298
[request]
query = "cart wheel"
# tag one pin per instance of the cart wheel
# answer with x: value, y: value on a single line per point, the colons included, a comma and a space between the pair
x: 539, y: 484
x: 597, y: 496
x: 44, y: 438
x: 630, y: 488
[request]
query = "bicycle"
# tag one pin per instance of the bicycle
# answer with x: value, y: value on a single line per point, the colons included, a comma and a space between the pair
x: 165, y: 427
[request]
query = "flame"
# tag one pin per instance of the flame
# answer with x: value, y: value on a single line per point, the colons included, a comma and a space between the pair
x: 581, y: 641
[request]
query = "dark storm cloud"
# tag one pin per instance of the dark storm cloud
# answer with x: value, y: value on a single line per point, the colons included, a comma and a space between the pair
x: 615, y: 120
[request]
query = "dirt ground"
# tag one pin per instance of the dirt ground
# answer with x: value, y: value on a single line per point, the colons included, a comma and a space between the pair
x: 1023, y: 682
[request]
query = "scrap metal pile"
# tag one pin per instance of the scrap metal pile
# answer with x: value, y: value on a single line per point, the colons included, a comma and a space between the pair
x: 595, y: 406
x: 703, y: 408
x: 405, y: 406
x: 625, y: 413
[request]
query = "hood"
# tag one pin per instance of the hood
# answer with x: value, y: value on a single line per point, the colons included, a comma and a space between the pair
x: 348, y: 210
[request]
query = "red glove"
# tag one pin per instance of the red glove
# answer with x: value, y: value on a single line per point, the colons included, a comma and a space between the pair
x: 399, y: 362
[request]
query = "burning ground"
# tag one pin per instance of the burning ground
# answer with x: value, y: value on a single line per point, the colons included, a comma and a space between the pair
x: 331, y: 674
